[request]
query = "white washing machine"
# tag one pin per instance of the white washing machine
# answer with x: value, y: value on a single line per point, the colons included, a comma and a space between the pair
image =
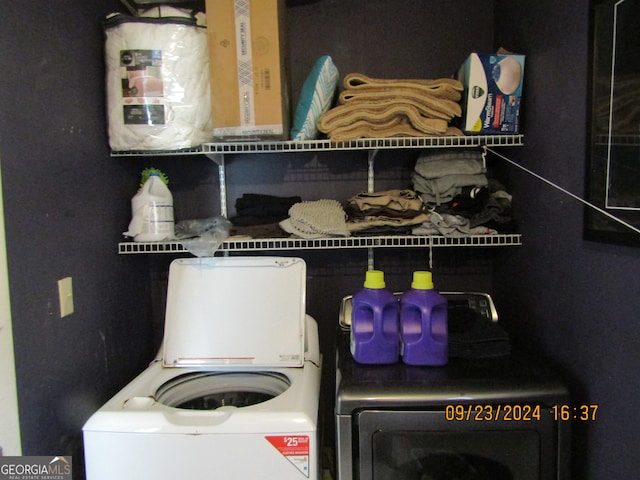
x: 234, y: 391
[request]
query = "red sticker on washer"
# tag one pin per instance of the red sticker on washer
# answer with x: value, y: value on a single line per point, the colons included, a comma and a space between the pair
x: 289, y: 445
x: 295, y: 448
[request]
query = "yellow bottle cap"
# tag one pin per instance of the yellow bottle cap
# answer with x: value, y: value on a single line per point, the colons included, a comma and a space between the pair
x: 422, y: 281
x: 374, y: 279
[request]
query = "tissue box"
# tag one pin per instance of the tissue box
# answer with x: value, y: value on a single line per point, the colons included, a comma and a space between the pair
x: 492, y: 93
x: 249, y: 88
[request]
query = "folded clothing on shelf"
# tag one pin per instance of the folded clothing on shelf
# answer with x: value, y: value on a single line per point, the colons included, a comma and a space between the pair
x: 386, y: 210
x: 450, y: 226
x: 440, y: 176
x: 442, y: 190
x: 488, y: 207
x: 404, y: 203
x: 394, y: 225
x: 462, y: 198
x: 260, y: 209
x: 438, y: 164
x: 316, y: 219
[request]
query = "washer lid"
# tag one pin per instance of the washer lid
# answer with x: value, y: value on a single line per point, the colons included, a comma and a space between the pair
x: 235, y: 311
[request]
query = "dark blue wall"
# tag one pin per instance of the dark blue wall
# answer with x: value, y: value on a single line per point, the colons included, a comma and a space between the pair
x: 576, y: 300
x: 66, y: 202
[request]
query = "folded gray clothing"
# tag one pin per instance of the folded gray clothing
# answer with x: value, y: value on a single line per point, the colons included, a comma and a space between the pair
x: 439, y: 164
x: 442, y: 190
x: 450, y: 226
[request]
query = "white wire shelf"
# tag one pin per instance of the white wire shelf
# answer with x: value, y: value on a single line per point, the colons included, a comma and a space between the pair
x: 404, y: 241
x: 218, y: 150
x: 328, y: 145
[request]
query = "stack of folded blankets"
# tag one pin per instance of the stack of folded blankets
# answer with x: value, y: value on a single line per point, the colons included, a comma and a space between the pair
x: 440, y: 175
x: 462, y: 199
x: 389, y: 212
x: 380, y: 108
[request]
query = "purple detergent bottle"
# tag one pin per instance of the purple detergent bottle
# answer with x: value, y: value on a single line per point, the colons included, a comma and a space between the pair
x: 375, y: 335
x: 423, y: 323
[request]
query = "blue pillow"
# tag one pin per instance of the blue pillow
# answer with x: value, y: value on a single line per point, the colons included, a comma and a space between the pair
x: 315, y: 99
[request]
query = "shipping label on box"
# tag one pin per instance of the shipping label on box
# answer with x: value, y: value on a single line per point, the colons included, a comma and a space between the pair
x: 492, y: 93
x: 249, y: 88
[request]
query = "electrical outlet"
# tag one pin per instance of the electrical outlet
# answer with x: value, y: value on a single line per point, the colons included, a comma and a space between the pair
x: 65, y: 295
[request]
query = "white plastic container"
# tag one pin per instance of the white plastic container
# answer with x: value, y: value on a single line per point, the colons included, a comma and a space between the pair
x: 152, y: 212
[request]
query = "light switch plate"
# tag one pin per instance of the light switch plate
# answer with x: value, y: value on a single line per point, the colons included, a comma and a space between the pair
x: 65, y: 295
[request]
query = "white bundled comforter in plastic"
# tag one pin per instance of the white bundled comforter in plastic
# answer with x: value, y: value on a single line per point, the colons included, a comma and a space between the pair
x: 157, y: 81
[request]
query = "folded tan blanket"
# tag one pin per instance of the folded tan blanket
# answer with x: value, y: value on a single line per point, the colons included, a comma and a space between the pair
x: 401, y: 202
x: 428, y: 106
x: 397, y: 127
x: 448, y: 88
x: 379, y: 108
x: 345, y: 115
x: 364, y: 223
x: 439, y: 98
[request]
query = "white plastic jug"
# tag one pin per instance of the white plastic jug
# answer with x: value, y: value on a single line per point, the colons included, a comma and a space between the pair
x: 152, y: 212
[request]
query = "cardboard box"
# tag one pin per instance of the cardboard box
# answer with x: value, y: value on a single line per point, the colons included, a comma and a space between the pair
x: 249, y: 87
x: 492, y: 93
